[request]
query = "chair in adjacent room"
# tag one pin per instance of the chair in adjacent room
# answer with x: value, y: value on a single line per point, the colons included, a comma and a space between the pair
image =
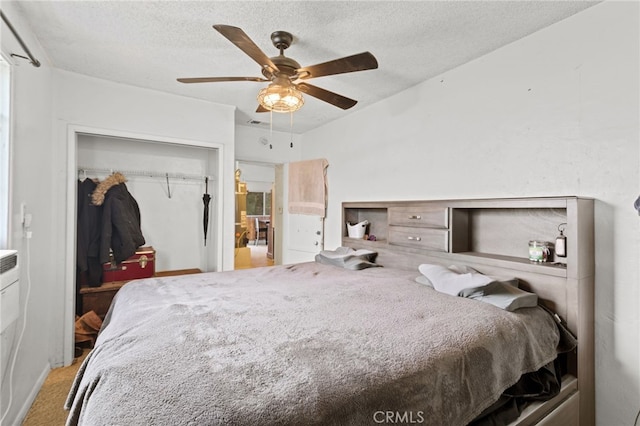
x: 261, y: 231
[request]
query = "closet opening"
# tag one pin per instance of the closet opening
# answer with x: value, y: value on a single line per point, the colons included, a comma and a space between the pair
x: 169, y: 180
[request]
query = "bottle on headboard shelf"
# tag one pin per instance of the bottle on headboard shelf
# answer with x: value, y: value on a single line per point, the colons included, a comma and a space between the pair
x: 561, y: 242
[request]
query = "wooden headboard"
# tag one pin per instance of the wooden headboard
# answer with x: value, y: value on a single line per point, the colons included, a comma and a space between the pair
x: 492, y: 236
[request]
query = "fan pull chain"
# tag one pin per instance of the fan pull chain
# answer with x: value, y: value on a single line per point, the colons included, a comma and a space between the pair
x: 270, y: 128
x: 291, y: 133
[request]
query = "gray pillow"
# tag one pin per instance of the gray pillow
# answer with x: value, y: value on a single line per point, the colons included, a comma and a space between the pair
x: 348, y: 258
x: 503, y: 295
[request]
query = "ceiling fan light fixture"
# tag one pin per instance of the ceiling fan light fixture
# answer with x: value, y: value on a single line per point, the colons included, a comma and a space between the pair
x: 278, y: 98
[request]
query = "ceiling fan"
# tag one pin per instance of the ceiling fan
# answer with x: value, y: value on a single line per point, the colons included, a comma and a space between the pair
x: 286, y: 75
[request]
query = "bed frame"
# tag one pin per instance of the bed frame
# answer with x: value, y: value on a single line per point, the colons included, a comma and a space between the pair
x: 492, y: 236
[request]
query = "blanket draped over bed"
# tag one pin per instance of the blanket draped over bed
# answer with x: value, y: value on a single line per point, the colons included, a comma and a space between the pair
x: 302, y: 344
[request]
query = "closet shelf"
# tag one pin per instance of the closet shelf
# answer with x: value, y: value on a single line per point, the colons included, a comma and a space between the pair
x: 143, y: 173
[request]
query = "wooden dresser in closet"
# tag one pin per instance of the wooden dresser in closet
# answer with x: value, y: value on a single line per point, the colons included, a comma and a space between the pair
x: 98, y: 299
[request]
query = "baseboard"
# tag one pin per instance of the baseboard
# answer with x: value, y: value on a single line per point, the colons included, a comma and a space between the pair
x: 31, y: 397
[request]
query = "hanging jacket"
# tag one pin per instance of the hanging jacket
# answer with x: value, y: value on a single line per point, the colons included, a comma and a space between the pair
x: 120, y: 231
x: 89, y: 269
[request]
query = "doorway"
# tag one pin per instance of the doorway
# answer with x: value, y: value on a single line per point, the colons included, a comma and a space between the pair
x: 257, y: 225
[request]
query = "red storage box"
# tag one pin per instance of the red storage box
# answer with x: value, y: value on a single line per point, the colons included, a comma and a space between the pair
x: 140, y: 265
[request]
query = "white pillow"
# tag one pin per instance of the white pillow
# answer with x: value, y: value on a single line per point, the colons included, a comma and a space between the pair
x: 464, y: 269
x: 447, y: 281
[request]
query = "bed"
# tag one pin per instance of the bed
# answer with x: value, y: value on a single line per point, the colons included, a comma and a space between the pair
x: 327, y: 343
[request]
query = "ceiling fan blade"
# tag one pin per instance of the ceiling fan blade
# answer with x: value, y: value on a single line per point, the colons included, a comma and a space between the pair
x: 261, y: 109
x: 359, y: 62
x: 219, y: 79
x: 327, y: 96
x: 238, y: 37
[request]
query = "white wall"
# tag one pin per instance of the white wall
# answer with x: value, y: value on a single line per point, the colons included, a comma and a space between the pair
x: 258, y: 177
x: 31, y: 184
x: 555, y: 113
x: 276, y: 151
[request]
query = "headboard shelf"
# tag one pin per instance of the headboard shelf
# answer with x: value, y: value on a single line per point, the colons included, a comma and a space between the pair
x: 492, y: 236
x: 548, y: 268
x: 498, y: 229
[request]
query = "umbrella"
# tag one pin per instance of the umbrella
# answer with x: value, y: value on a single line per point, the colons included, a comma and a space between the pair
x: 206, y: 198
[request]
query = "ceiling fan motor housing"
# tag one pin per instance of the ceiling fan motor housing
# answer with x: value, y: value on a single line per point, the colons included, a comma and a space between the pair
x: 281, y: 39
x: 286, y: 66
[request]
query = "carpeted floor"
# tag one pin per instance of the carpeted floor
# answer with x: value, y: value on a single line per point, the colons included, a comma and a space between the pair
x: 48, y: 408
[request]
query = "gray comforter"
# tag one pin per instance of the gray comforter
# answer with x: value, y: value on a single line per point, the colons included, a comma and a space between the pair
x: 302, y: 344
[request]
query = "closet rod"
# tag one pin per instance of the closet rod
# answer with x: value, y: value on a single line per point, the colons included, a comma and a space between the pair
x: 34, y: 61
x: 144, y: 173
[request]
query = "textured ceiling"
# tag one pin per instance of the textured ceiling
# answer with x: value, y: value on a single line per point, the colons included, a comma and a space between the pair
x: 150, y: 44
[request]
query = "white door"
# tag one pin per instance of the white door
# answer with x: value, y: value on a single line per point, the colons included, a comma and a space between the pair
x: 306, y: 237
